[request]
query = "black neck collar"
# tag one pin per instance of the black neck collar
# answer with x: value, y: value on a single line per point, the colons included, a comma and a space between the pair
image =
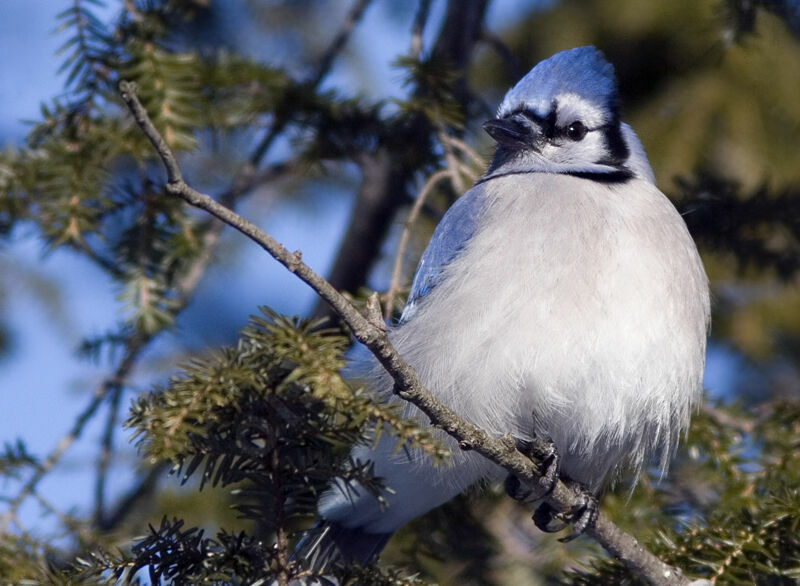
x: 617, y: 176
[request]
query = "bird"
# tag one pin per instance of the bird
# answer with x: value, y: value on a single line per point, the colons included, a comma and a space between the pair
x: 560, y: 297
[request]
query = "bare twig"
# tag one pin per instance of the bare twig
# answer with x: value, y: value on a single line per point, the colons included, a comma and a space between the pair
x: 394, y: 286
x: 468, y: 171
x: 467, y: 150
x: 408, y: 386
x: 374, y: 311
x: 453, y: 164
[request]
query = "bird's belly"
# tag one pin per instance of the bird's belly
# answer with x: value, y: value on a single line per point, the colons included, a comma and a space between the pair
x: 588, y: 344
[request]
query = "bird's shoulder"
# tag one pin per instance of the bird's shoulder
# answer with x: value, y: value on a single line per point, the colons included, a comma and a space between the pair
x: 456, y: 228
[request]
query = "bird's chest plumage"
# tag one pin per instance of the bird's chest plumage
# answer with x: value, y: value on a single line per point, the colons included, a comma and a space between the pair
x: 568, y: 320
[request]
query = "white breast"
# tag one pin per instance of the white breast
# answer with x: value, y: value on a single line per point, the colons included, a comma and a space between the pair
x: 582, y: 303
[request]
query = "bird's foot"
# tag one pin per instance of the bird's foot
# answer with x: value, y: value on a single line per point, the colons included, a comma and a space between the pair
x: 541, y: 449
x: 582, y: 516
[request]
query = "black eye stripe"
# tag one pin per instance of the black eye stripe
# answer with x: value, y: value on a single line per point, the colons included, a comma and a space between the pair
x: 550, y: 121
x: 550, y: 129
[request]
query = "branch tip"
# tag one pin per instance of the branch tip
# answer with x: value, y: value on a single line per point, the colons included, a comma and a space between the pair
x: 374, y: 312
x: 127, y: 91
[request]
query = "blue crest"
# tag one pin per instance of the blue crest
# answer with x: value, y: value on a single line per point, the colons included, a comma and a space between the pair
x: 583, y: 71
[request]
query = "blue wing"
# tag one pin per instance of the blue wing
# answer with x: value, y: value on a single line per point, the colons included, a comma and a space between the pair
x: 454, y: 230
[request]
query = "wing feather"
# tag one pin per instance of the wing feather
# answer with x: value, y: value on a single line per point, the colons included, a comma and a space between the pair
x: 455, y: 229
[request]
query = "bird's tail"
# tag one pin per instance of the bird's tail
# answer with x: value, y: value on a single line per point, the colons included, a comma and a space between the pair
x: 328, y: 543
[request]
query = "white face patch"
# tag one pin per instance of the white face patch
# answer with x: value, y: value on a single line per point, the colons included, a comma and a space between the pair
x: 584, y: 152
x: 572, y: 107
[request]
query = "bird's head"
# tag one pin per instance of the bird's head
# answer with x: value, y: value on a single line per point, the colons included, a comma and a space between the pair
x: 563, y: 117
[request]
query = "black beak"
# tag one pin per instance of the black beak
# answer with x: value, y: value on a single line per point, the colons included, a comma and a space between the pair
x: 515, y: 133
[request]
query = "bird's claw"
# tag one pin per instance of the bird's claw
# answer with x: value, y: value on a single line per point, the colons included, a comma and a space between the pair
x: 542, y: 449
x: 583, y: 515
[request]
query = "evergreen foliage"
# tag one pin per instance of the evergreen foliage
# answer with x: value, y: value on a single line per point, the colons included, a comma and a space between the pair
x: 269, y: 420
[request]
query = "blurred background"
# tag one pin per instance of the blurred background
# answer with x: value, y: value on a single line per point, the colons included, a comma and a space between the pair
x: 709, y: 86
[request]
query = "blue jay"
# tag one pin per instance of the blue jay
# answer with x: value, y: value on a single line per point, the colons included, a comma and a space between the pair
x: 562, y: 296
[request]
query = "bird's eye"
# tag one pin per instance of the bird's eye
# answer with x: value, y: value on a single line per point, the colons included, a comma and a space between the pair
x: 576, y: 131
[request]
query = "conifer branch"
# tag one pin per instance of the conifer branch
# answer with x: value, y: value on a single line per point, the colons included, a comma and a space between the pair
x: 408, y: 386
